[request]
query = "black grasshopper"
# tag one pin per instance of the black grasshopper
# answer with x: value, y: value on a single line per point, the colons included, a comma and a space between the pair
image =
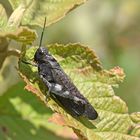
x: 61, y: 89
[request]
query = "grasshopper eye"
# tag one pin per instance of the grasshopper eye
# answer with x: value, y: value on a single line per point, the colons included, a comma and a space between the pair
x: 40, y: 53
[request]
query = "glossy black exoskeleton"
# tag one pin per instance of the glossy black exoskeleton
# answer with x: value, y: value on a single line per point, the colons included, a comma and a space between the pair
x: 61, y: 88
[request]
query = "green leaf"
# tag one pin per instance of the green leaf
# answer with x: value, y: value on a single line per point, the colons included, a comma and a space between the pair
x: 22, y: 34
x: 9, y: 29
x: 22, y: 118
x: 96, y: 84
x: 3, y: 17
x: 33, y: 12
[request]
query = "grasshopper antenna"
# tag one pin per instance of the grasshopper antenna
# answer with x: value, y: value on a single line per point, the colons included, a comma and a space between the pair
x: 39, y: 45
x: 42, y: 33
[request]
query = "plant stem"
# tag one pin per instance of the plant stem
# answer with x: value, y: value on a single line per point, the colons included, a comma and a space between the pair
x: 13, y: 52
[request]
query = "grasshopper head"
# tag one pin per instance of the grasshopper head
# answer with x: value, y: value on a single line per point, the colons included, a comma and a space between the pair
x: 40, y: 54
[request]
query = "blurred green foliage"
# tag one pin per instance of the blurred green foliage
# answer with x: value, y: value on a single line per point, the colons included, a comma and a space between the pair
x: 22, y: 117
